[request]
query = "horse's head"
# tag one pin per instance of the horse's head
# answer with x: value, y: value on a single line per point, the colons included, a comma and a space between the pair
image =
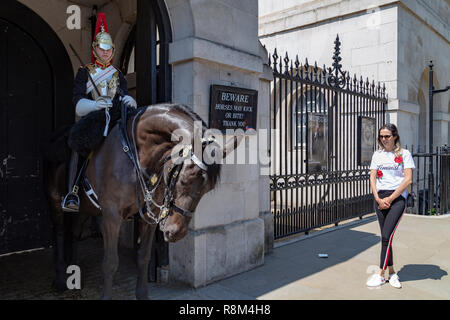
x: 166, y: 136
x: 191, y: 180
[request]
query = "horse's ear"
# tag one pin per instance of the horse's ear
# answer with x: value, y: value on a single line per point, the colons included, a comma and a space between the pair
x: 232, y: 144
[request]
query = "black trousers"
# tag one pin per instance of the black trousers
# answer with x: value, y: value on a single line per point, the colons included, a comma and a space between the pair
x: 389, y: 220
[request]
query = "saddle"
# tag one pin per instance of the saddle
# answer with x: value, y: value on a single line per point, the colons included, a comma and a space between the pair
x: 87, y: 135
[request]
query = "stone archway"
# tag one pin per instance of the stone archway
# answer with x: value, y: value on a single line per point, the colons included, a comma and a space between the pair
x: 423, y: 120
x: 145, y: 63
x: 35, y: 99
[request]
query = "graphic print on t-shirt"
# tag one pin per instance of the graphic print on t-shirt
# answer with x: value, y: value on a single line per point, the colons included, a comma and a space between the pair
x: 390, y: 168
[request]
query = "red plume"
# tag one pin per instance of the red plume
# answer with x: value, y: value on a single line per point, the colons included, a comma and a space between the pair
x: 101, y: 22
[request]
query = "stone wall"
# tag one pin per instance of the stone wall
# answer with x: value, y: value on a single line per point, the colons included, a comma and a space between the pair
x: 120, y: 16
x: 226, y: 235
x: 386, y: 41
x: 418, y: 44
x: 214, y: 42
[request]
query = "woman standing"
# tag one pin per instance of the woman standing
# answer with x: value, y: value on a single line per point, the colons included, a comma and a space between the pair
x: 390, y: 175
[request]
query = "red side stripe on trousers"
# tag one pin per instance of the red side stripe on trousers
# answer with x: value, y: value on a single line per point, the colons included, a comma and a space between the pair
x: 390, y: 243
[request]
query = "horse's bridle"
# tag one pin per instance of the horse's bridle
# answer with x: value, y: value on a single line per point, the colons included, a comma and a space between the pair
x: 155, y: 179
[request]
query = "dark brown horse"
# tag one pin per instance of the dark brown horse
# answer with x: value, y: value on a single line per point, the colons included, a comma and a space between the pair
x: 158, y: 132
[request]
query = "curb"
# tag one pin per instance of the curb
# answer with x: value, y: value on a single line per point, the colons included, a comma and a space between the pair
x: 443, y: 216
x: 321, y: 232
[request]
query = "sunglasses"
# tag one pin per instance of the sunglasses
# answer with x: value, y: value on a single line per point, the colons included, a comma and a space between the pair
x: 385, y: 137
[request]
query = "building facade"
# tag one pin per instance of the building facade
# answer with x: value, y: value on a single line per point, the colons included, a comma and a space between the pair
x: 172, y: 50
x: 391, y: 42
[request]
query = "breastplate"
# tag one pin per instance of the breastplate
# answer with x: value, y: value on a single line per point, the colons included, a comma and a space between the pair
x: 106, y: 82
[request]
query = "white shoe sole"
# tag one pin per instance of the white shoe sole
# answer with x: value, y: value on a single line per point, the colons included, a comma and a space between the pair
x: 396, y: 287
x: 399, y: 286
x: 375, y: 285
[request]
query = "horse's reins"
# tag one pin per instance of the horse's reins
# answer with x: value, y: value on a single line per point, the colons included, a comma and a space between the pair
x: 155, y: 179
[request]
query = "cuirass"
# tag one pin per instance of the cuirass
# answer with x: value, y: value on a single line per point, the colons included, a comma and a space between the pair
x: 106, y: 80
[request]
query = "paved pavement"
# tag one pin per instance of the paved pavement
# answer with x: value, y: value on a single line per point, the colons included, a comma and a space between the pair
x: 293, y: 271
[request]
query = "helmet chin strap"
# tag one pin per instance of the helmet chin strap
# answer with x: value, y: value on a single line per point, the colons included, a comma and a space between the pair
x: 99, y: 59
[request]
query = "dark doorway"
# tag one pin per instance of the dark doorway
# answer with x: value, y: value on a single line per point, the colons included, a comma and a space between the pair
x: 30, y: 109
x: 145, y: 63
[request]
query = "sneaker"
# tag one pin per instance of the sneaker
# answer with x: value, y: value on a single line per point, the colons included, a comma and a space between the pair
x: 375, y: 281
x: 394, y: 281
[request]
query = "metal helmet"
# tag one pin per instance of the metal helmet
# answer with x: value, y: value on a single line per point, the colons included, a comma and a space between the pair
x: 102, y: 39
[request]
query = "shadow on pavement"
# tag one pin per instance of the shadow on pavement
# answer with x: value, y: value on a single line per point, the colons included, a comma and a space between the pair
x: 412, y: 272
x: 29, y: 275
x: 299, y: 260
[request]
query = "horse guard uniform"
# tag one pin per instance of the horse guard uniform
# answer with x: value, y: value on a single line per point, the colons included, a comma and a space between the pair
x: 96, y: 86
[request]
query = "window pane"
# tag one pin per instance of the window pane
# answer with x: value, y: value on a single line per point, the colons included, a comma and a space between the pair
x: 131, y: 62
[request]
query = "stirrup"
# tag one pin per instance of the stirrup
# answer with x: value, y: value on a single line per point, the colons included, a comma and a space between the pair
x: 71, y: 202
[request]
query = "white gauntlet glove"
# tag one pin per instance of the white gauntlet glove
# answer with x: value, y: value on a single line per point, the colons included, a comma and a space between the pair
x: 85, y: 106
x: 129, y: 101
x: 103, y: 103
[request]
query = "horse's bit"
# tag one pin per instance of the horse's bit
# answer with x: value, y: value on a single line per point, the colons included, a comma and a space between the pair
x: 155, y: 179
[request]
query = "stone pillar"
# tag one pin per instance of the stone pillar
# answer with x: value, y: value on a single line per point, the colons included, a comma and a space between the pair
x: 216, y: 42
x: 265, y: 80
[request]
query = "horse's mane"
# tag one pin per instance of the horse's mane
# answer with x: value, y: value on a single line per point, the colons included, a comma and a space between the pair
x: 214, y: 169
x: 194, y: 116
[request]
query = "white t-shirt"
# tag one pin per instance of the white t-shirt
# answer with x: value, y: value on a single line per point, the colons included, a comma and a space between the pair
x: 390, y: 169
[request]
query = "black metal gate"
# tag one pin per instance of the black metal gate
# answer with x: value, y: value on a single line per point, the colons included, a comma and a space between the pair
x: 324, y: 125
x: 431, y: 181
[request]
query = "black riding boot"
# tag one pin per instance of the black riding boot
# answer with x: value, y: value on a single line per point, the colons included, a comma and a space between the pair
x: 71, y: 202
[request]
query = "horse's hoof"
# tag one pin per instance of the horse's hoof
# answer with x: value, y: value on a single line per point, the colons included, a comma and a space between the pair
x: 142, y: 293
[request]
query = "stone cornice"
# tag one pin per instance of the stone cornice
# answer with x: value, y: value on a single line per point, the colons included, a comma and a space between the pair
x: 316, y: 12
x: 413, y: 108
x: 202, y: 49
x: 405, y: 106
x: 423, y: 12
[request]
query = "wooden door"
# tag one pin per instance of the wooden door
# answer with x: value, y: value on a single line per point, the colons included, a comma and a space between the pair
x: 26, y: 119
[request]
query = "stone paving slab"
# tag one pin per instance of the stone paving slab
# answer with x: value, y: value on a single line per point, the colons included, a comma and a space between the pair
x: 292, y: 271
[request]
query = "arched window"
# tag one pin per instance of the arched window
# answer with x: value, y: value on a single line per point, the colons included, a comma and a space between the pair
x: 145, y: 63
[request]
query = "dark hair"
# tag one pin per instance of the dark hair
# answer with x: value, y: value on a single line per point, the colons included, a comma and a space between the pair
x: 393, y: 129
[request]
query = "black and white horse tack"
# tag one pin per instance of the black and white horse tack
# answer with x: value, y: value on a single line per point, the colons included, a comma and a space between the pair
x: 173, y: 170
x: 154, y: 180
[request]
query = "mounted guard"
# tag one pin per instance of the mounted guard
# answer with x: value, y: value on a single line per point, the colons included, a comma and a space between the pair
x: 98, y: 89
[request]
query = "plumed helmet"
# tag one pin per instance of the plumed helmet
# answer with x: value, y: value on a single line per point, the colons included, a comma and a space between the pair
x: 102, y: 38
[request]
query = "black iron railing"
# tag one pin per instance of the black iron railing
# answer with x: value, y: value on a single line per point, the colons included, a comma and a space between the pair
x: 324, y: 125
x: 436, y: 201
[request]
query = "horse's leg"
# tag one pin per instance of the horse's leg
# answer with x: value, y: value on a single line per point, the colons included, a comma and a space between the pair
x: 59, y: 283
x: 53, y: 182
x: 110, y: 229
x: 57, y: 216
x: 146, y: 233
x: 79, y: 223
